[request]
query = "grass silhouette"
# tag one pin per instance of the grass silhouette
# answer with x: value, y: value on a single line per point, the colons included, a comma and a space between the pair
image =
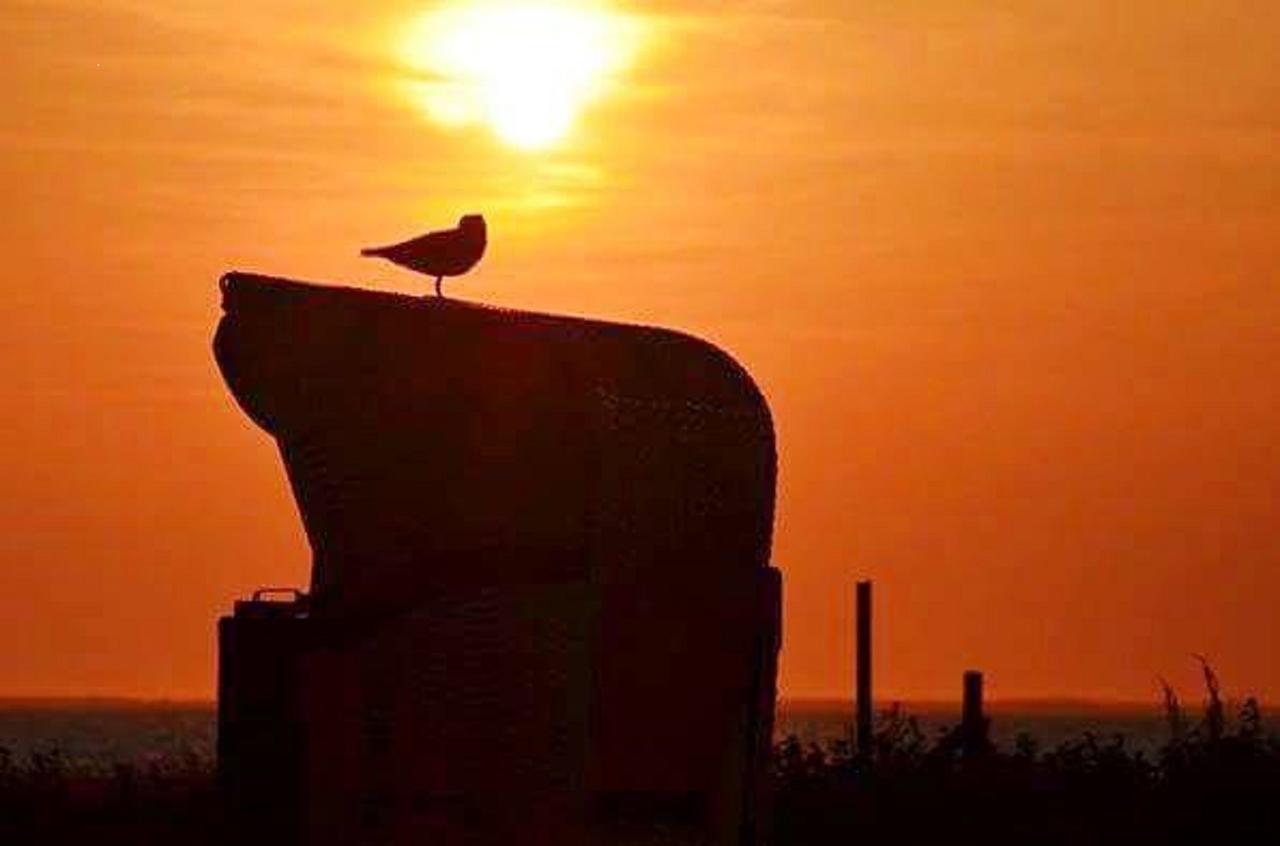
x: 48, y: 798
x: 1211, y: 783
x: 1215, y: 780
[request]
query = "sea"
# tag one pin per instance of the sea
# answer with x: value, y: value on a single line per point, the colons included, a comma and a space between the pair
x: 98, y: 735
x: 1049, y: 724
x: 95, y: 736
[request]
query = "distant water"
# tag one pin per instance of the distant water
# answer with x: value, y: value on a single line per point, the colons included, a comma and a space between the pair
x: 1144, y: 728
x: 96, y: 735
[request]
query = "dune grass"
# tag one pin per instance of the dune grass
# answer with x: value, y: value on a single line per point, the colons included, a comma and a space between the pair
x: 1216, y: 779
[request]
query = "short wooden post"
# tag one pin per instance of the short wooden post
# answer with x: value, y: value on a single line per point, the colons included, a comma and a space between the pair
x: 973, y: 722
x: 862, y: 671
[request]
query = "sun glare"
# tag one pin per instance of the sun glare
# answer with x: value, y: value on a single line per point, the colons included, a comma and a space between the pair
x: 524, y: 69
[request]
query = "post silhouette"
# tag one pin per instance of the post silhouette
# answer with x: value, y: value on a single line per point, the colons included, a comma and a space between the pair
x: 862, y: 670
x: 973, y: 722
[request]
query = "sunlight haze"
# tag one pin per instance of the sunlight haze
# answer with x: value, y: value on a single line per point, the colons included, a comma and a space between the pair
x: 525, y: 69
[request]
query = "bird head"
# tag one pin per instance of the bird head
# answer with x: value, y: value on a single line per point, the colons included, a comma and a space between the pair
x: 472, y: 224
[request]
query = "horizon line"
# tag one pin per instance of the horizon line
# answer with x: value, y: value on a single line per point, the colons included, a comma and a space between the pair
x: 794, y: 703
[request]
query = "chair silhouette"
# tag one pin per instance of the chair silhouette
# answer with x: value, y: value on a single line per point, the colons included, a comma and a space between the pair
x: 542, y: 608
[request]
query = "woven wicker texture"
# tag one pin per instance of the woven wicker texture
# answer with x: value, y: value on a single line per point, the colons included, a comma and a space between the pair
x: 542, y: 604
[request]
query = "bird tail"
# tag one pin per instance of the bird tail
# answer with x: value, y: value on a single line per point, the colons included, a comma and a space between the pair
x: 371, y: 251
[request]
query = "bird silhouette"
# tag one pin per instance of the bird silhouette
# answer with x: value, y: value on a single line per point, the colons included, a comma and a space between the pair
x: 449, y: 252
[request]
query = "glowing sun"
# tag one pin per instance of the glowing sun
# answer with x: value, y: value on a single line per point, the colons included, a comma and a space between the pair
x: 524, y: 69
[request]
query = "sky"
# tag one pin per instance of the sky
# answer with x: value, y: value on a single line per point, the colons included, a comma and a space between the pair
x: 1006, y: 272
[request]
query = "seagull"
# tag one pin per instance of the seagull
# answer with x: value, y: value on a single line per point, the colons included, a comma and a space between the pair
x: 449, y: 252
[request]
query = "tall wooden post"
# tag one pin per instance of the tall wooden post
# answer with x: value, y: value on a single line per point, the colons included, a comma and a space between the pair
x: 862, y: 670
x: 973, y: 722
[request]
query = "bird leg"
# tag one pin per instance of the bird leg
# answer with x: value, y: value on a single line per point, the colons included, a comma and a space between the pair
x: 438, y: 294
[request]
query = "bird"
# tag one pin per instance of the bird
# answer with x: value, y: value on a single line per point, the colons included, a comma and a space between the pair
x: 448, y: 252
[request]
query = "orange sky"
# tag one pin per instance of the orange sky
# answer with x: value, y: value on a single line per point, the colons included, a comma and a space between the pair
x: 1006, y: 272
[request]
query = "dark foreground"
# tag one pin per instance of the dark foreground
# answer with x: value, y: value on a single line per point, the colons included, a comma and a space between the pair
x: 1210, y: 783
x: 1216, y: 780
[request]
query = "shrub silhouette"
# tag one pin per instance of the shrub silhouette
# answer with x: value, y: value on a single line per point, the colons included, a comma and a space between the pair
x: 47, y: 798
x: 1212, y: 783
